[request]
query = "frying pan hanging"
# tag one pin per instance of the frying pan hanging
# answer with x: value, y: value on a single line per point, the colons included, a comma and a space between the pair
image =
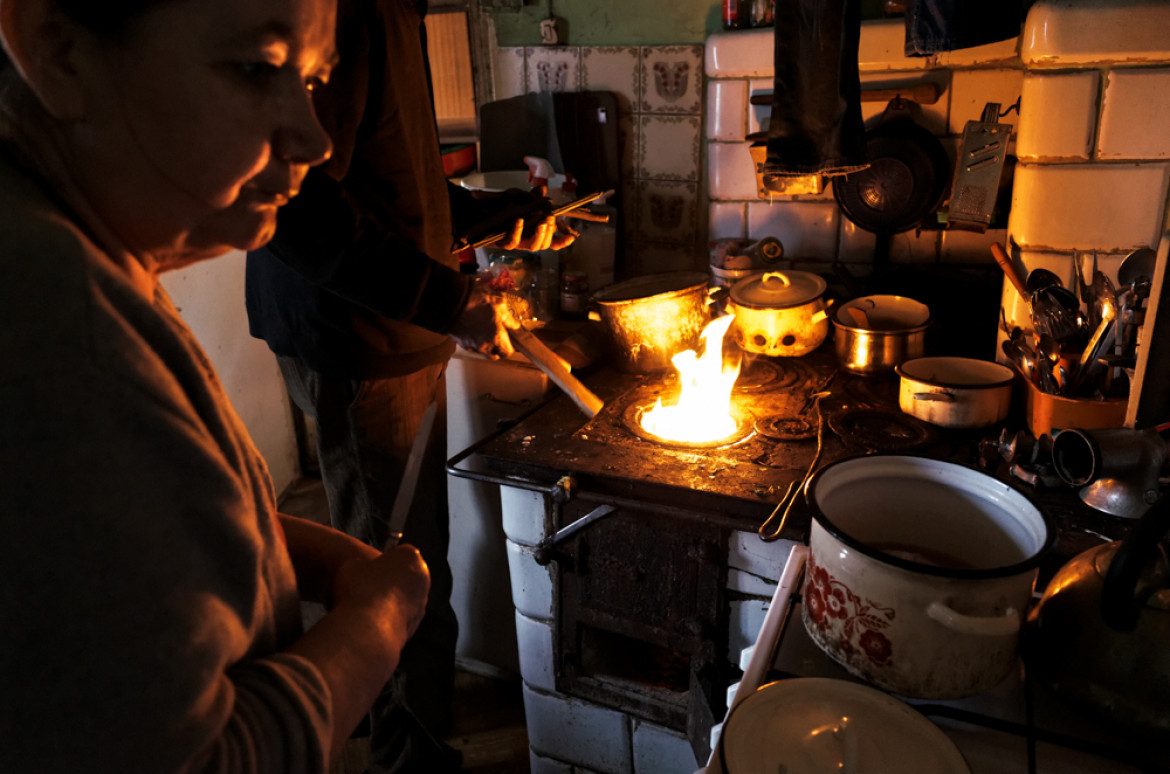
x: 908, y: 173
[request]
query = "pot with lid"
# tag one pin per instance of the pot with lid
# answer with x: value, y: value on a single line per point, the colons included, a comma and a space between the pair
x: 779, y: 313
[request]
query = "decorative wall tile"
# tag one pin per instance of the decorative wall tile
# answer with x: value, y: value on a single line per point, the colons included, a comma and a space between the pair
x: 671, y: 79
x: 808, y: 230
x: 658, y: 749
x: 612, y: 68
x: 628, y: 140
x: 740, y: 54
x: 668, y: 147
x: 667, y: 211
x: 731, y: 174
x: 1058, y: 33
x: 1088, y: 206
x: 727, y: 105
x: 971, y: 90
x: 584, y: 734
x: 727, y: 220
x: 657, y: 257
x: 1135, y: 118
x: 1073, y: 97
x: 510, y: 78
x: 553, y: 68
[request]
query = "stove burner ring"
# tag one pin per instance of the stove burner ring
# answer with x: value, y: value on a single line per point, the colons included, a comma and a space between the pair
x: 632, y: 419
x: 882, y: 430
x: 760, y: 375
x: 781, y: 428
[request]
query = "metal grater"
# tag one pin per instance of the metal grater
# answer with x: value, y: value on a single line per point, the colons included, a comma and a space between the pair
x: 978, y: 170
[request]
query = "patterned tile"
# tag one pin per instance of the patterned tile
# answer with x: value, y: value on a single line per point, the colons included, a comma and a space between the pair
x: 668, y: 147
x: 671, y: 79
x: 553, y: 69
x: 612, y: 68
x: 667, y: 211
x: 509, y: 73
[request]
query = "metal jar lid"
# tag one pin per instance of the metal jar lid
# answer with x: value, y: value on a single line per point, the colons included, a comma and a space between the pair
x: 778, y: 289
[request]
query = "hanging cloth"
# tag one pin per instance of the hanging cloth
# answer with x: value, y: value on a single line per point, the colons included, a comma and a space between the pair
x: 816, y: 125
x: 947, y: 25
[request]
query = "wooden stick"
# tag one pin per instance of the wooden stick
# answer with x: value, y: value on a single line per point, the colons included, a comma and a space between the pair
x: 556, y: 369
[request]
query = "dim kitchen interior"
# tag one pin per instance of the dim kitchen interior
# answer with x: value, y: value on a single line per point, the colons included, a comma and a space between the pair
x: 844, y: 467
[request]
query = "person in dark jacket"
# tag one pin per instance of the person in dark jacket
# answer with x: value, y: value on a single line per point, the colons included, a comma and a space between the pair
x: 360, y: 298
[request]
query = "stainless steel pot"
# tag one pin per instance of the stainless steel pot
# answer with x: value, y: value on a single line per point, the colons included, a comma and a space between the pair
x: 779, y: 314
x: 920, y: 572
x: 956, y: 392
x: 875, y: 334
x: 650, y: 319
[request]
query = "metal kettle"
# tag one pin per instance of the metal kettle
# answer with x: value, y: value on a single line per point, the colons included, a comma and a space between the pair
x: 1100, y: 635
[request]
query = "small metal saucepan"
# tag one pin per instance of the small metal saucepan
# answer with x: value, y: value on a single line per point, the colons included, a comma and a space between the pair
x: 955, y: 392
x: 875, y: 334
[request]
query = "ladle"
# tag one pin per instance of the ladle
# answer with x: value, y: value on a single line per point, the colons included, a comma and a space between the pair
x: 1041, y: 278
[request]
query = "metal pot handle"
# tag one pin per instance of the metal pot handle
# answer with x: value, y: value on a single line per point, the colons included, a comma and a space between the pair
x: 945, y: 397
x: 1119, y: 606
x: 988, y: 626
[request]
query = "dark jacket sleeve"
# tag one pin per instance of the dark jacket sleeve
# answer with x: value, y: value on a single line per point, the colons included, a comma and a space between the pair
x: 326, y: 238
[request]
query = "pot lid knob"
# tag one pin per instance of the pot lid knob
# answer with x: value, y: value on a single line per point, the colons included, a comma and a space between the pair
x: 779, y: 289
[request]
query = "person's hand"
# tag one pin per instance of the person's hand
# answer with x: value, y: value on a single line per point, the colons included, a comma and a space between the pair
x: 483, y: 324
x: 550, y: 234
x: 525, y: 216
x: 393, y: 586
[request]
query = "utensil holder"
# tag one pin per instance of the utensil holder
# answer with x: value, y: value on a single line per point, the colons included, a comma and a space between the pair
x: 1046, y: 412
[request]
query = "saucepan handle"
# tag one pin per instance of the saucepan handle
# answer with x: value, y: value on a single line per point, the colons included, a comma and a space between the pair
x: 944, y: 397
x: 988, y: 626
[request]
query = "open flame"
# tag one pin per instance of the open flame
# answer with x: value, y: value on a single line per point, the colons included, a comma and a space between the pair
x: 703, y: 412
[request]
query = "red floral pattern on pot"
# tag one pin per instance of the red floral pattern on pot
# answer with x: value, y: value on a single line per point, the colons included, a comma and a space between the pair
x: 830, y: 604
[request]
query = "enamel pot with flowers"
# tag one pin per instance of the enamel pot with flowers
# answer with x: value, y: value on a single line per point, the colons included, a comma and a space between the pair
x: 920, y: 572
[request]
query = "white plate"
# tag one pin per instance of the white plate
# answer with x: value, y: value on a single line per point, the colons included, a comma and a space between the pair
x: 813, y: 725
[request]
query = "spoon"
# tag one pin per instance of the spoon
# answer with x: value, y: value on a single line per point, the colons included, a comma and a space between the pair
x: 1137, y: 265
x: 1041, y: 278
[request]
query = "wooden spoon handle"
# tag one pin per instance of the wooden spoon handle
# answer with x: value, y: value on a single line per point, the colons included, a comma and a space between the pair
x: 1009, y: 269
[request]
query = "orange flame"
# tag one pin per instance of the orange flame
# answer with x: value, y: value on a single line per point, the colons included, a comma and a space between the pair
x: 703, y: 412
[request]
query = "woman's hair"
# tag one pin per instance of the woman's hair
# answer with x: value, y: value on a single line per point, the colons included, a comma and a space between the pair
x: 107, y: 18
x: 104, y: 18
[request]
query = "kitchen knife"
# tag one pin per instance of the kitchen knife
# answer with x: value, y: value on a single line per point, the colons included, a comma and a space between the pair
x: 405, y: 496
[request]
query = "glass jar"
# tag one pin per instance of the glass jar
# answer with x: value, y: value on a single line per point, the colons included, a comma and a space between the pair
x: 574, y: 294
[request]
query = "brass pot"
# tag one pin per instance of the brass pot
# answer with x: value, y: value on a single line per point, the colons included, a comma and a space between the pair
x: 650, y: 319
x: 779, y: 313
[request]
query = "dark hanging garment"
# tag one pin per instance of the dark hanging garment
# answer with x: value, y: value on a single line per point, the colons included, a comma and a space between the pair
x: 816, y: 125
x: 933, y: 26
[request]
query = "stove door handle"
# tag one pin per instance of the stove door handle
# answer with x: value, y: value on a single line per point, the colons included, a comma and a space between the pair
x: 544, y: 549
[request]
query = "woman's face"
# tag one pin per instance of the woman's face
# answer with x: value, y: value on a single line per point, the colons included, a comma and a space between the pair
x: 198, y: 124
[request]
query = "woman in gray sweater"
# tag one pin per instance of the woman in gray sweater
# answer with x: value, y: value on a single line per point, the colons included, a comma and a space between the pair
x: 148, y: 586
